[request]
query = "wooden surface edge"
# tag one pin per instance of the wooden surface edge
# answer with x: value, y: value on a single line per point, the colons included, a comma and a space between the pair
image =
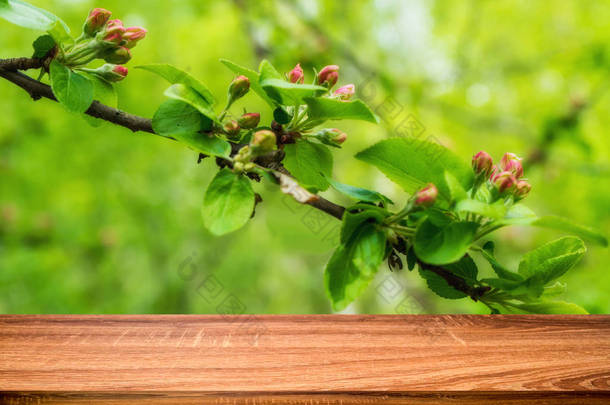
x: 308, y: 398
x: 304, y: 359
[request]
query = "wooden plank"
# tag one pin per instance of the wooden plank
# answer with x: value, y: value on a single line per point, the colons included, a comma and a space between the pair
x: 296, y: 359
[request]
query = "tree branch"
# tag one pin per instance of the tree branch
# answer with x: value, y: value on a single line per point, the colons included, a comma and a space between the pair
x: 37, y: 90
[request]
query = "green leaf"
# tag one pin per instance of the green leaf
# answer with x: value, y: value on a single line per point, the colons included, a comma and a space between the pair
x: 310, y: 163
x: 190, y: 96
x: 281, y: 116
x: 177, y: 76
x: 228, y: 202
x: 456, y: 190
x: 360, y: 194
x: 496, y: 210
x: 323, y: 109
x: 464, y: 268
x: 412, y: 163
x: 550, y: 261
x: 411, y: 258
x: 562, y: 224
x: 442, y: 244
x: 72, y: 90
x: 176, y: 117
x: 25, y: 15
x: 268, y: 71
x: 551, y: 307
x: 518, y: 214
x: 208, y: 145
x: 43, y: 45
x: 103, y: 92
x: 439, y: 285
x: 286, y: 93
x: 369, y: 250
x: 501, y: 271
x: 354, y: 265
x: 254, y: 80
x: 356, y: 215
x: 555, y: 289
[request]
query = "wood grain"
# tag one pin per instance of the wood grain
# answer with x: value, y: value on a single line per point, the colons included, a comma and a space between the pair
x: 294, y: 359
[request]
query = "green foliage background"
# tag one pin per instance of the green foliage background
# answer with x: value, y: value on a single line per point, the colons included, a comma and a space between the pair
x: 100, y: 220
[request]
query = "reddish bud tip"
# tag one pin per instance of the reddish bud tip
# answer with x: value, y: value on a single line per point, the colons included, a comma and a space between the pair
x: 96, y: 20
x: 111, y: 73
x: 522, y: 189
x: 426, y: 197
x: 504, y: 181
x: 239, y: 87
x: 328, y: 76
x: 249, y: 120
x: 512, y: 163
x: 337, y: 136
x: 113, y: 32
x: 132, y: 35
x: 120, y: 70
x: 345, y: 92
x: 296, y: 75
x: 482, y: 163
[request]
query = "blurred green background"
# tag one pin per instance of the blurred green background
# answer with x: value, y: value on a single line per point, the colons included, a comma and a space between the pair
x: 102, y: 220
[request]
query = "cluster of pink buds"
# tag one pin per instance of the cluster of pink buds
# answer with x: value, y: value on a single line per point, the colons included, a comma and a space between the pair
x: 327, y: 77
x: 119, y: 40
x: 106, y: 39
x: 506, y: 178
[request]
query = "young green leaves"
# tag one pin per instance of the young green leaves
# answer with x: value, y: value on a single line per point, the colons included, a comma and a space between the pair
x: 411, y: 163
x: 356, y: 261
x: 310, y: 163
x: 272, y: 87
x: 228, y: 202
x: 441, y: 235
x: 188, y: 113
x: 323, y: 109
x: 25, y: 15
x: 443, y: 241
x: 73, y: 90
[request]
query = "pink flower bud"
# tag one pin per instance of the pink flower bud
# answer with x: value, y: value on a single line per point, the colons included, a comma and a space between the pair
x: 426, y: 197
x: 512, y: 163
x: 504, y: 181
x: 249, y: 120
x: 296, y: 75
x: 113, y: 32
x: 95, y: 21
x: 120, y: 70
x: 336, y: 135
x: 482, y: 163
x: 239, y: 87
x: 119, y: 56
x: 231, y: 128
x: 132, y: 35
x: 111, y: 73
x: 328, y: 76
x: 522, y: 189
x: 264, y: 141
x: 345, y: 92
